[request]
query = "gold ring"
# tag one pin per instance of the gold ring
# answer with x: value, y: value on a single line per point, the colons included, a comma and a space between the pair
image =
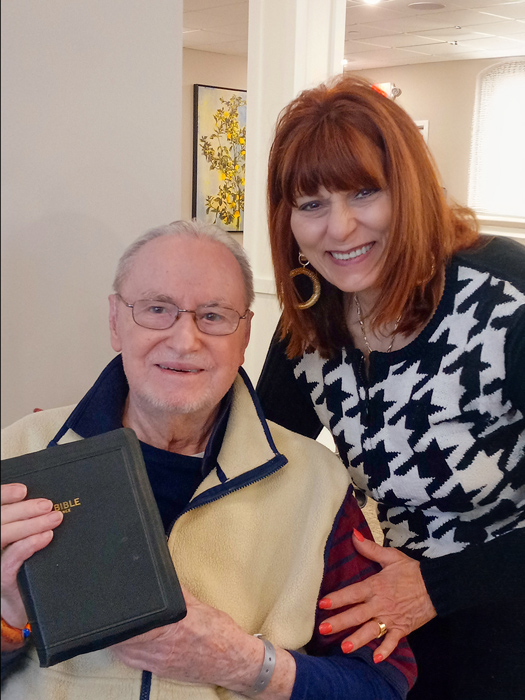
x: 382, y: 629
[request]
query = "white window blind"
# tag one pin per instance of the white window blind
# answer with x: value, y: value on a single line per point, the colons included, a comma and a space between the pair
x: 497, y: 161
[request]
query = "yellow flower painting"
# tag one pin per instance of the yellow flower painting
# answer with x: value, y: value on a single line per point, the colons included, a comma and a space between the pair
x: 219, y: 156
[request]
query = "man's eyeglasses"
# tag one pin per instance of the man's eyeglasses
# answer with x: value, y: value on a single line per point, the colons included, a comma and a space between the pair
x: 161, y: 315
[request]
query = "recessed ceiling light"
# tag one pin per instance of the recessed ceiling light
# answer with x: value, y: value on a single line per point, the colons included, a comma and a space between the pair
x: 371, y: 2
x: 426, y: 6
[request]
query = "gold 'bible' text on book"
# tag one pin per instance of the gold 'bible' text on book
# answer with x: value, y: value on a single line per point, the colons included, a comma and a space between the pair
x: 66, y: 506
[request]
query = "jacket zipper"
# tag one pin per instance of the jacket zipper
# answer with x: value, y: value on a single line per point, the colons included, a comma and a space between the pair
x: 145, y: 688
x: 145, y: 685
x: 190, y: 507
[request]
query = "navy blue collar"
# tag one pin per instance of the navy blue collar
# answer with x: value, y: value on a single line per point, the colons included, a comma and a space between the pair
x: 101, y: 409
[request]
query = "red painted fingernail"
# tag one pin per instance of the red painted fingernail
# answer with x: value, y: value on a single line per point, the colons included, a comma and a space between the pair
x: 358, y: 535
x: 325, y: 628
x: 325, y: 603
x: 378, y: 658
x: 347, y: 647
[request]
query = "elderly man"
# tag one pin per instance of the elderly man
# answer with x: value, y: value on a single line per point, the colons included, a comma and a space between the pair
x: 259, y: 519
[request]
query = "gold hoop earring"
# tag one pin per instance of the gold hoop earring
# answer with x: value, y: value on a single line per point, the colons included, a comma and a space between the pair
x: 316, y: 293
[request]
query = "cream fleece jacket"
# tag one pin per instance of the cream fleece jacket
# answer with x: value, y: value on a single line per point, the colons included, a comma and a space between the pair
x: 256, y: 552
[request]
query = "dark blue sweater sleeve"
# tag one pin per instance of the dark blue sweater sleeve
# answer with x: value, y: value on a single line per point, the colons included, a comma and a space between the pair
x: 280, y: 395
x: 343, y: 678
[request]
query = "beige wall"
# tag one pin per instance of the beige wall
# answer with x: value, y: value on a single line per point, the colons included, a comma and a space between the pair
x: 91, y: 108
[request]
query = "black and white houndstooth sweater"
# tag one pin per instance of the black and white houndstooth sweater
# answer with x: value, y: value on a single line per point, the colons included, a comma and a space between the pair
x: 436, y: 433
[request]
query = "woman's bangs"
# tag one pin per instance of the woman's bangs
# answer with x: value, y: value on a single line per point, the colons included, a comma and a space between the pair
x: 339, y: 162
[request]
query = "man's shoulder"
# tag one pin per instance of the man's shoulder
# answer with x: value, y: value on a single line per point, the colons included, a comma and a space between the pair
x: 309, y: 459
x: 33, y: 432
x: 311, y: 452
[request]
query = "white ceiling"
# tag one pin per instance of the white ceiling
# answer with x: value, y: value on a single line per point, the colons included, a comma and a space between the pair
x: 390, y: 33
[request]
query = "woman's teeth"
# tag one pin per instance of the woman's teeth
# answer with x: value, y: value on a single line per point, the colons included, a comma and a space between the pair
x: 353, y: 254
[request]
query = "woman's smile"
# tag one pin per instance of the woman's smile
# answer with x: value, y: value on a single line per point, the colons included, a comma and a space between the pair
x: 351, y: 254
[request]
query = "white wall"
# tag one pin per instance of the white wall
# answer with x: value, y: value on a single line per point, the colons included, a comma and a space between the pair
x: 91, y: 114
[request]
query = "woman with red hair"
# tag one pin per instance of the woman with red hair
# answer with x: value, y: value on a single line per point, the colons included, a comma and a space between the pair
x: 403, y: 333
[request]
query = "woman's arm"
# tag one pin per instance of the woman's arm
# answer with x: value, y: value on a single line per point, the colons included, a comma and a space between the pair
x: 282, y: 400
x: 478, y: 575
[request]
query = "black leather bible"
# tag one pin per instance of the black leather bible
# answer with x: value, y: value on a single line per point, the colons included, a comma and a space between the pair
x: 107, y: 574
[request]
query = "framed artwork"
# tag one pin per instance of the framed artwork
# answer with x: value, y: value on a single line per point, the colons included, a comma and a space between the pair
x: 219, y: 155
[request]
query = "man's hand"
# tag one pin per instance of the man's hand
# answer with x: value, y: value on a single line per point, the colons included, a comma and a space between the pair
x: 27, y: 526
x: 396, y: 596
x: 208, y: 647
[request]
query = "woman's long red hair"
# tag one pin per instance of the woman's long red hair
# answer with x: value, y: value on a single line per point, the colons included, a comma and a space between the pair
x: 346, y: 136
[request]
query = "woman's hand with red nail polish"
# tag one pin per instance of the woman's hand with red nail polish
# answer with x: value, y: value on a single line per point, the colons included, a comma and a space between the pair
x: 396, y: 596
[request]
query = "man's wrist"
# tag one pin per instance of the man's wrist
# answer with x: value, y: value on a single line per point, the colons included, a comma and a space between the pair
x: 282, y: 681
x: 280, y: 685
x: 266, y: 672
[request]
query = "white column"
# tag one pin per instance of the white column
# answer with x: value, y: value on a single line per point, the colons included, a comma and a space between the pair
x: 293, y: 45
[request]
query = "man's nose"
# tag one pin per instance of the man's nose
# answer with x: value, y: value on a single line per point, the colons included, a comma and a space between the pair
x: 342, y: 221
x: 184, y: 334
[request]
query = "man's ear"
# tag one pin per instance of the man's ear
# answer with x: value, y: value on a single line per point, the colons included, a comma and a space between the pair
x: 247, y: 331
x: 248, y: 327
x: 113, y: 330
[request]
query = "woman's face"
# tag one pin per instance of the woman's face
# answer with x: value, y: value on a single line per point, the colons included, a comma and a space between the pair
x: 344, y: 235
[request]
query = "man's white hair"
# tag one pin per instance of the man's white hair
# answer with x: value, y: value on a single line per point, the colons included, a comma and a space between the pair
x: 189, y: 229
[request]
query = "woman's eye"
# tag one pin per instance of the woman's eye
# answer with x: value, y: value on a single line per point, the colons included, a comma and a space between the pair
x: 309, y: 206
x: 366, y: 192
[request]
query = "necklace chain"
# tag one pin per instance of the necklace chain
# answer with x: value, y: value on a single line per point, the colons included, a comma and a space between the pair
x: 362, y: 325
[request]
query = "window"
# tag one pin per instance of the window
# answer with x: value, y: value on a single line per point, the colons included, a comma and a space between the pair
x: 497, y: 160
